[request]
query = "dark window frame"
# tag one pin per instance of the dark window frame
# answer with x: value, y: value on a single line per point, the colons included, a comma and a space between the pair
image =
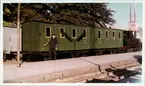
x: 74, y: 31
x: 85, y: 33
x: 107, y: 34
x: 46, y: 31
x: 99, y: 34
x: 113, y: 35
x: 119, y: 35
x: 61, y: 35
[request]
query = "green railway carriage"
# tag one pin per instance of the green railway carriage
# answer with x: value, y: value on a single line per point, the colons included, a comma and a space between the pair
x: 36, y: 34
x: 70, y: 38
x: 108, y: 38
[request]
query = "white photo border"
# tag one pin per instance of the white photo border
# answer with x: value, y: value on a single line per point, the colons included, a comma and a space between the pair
x: 69, y: 1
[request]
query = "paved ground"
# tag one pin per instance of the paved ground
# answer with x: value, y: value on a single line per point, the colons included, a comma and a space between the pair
x: 11, y: 71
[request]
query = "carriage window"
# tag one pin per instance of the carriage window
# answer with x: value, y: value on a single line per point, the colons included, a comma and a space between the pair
x: 48, y: 31
x: 107, y: 35
x: 99, y: 34
x: 62, y: 30
x: 85, y: 33
x: 119, y: 35
x: 113, y: 34
x: 74, y: 32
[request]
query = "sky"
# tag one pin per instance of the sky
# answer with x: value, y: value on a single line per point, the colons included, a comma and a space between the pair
x: 122, y: 12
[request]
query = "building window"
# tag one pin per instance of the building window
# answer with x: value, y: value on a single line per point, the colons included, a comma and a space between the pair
x: 48, y: 31
x: 74, y: 33
x: 99, y: 34
x: 62, y: 30
x: 85, y: 33
x: 107, y: 34
x: 119, y: 35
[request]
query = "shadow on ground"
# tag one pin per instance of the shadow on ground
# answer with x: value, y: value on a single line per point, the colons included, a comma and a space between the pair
x: 117, y: 73
x: 127, y: 80
x: 96, y: 81
x: 138, y: 58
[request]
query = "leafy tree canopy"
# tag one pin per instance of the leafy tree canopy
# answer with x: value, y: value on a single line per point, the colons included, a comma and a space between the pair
x: 84, y: 14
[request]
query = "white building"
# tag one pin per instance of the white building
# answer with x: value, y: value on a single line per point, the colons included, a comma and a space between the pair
x: 10, y: 39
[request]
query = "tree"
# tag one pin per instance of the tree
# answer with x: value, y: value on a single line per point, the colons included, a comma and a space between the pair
x: 28, y: 12
x: 84, y: 14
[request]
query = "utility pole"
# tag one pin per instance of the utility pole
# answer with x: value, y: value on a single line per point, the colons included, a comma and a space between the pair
x: 18, y: 33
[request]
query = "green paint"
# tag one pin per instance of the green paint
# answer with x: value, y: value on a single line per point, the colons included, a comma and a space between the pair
x: 34, y: 37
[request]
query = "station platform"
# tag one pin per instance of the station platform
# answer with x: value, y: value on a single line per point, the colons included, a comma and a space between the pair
x: 56, y: 71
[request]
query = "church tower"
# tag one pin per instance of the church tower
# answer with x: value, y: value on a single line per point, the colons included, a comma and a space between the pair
x: 132, y: 22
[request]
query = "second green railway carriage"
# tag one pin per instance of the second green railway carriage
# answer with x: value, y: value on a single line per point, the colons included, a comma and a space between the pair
x: 110, y: 40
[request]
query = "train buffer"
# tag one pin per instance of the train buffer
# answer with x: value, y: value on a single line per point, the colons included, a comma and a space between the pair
x: 109, y: 67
